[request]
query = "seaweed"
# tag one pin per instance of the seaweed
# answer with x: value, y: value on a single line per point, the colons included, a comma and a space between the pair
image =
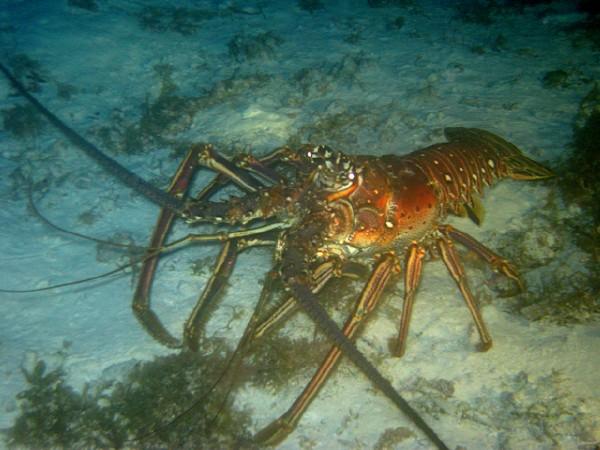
x: 88, y: 5
x: 539, y: 408
x: 141, y: 411
x: 434, y: 393
x: 277, y: 359
x: 477, y: 49
x: 338, y: 128
x: 318, y: 80
x: 185, y: 21
x: 562, y: 303
x: 584, y: 165
x: 591, y: 7
x: 567, y: 291
x: 22, y: 121
x: 556, y: 79
x: 49, y: 411
x: 388, y: 3
x: 477, y: 12
x: 580, y: 184
x: 29, y: 71
x: 520, y: 5
x: 169, y: 113
x: 259, y: 46
x: 397, y: 23
x: 500, y: 43
x: 65, y: 91
x: 88, y: 217
x: 310, y: 5
x: 580, y: 170
x: 586, y: 31
x: 392, y: 438
x: 177, y: 401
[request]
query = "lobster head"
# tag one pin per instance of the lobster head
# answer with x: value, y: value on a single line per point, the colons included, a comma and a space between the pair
x: 331, y: 170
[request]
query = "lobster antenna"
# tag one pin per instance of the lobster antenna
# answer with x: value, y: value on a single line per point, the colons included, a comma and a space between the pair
x: 110, y: 165
x: 52, y: 225
x: 153, y: 252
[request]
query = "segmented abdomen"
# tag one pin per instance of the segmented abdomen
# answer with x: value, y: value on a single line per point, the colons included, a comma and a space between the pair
x: 471, y: 160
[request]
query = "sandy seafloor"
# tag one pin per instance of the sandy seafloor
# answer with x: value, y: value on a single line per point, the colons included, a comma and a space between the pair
x: 343, y: 76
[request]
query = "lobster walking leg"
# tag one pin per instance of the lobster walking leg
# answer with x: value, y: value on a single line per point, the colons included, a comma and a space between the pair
x: 220, y: 275
x: 208, y: 157
x: 281, y: 427
x: 320, y: 276
x: 497, y: 262
x: 260, y: 167
x: 141, y: 299
x: 455, y: 268
x: 412, y: 277
x: 227, y: 172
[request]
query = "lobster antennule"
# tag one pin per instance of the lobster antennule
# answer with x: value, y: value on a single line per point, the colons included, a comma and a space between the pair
x: 516, y: 165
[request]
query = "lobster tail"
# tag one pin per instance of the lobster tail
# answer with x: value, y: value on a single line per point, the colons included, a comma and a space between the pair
x: 471, y: 160
x: 512, y: 163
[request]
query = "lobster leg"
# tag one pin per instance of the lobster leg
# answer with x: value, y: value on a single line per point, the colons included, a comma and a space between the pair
x: 220, y: 274
x: 239, y: 171
x: 210, y: 158
x: 412, y: 277
x: 281, y: 427
x: 452, y: 261
x: 224, y: 265
x: 497, y: 262
x: 141, y: 299
x: 321, y: 275
x: 260, y: 167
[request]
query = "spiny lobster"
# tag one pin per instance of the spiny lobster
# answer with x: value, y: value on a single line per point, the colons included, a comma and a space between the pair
x: 323, y: 210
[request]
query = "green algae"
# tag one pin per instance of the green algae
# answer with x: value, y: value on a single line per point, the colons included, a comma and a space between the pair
x: 244, y: 47
x: 143, y: 410
x: 555, y: 79
x: 310, y: 5
x: 181, y: 20
x: 169, y: 113
x: 88, y: 5
x: 22, y: 121
x: 29, y: 71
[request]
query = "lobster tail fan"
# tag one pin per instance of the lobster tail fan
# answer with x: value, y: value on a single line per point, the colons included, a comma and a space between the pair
x: 515, y: 164
x: 520, y: 167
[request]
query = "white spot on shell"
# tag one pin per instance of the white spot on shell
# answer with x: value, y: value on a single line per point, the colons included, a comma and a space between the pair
x: 491, y: 163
